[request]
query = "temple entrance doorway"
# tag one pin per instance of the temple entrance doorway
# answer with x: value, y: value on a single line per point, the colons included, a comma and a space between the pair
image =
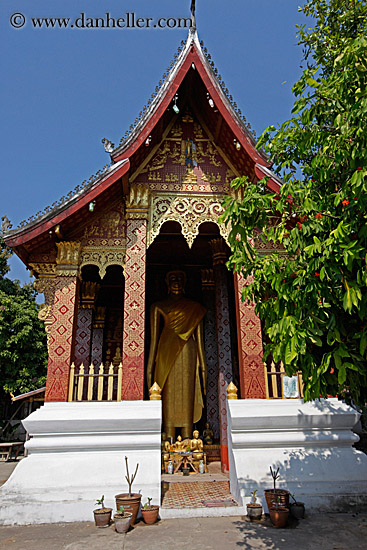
x: 214, y: 291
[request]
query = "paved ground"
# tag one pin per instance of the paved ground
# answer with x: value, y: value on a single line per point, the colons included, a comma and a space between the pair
x: 326, y: 532
x: 322, y: 531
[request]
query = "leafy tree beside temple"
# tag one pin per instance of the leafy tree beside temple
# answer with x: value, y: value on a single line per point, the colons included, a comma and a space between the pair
x: 312, y: 297
x: 23, y: 349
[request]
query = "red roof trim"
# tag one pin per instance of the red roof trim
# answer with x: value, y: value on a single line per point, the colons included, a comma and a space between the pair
x: 271, y: 183
x: 193, y: 56
x: 31, y: 233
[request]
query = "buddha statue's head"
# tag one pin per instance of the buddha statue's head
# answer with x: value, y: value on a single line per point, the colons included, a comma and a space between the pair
x: 195, y: 434
x: 176, y: 281
x: 179, y: 438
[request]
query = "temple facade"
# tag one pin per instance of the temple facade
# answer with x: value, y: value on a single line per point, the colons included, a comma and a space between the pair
x: 101, y: 256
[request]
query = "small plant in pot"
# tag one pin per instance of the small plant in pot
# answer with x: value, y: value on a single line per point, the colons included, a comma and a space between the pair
x: 150, y: 512
x: 122, y: 520
x: 254, y: 509
x: 102, y: 516
x: 278, y: 513
x: 129, y: 501
x: 271, y: 495
x: 297, y: 509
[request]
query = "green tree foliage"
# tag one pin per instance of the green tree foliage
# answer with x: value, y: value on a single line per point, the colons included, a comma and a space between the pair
x: 23, y: 350
x: 313, y: 299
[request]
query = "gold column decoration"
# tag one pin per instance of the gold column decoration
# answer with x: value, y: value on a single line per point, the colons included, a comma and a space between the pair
x: 207, y: 279
x: 45, y: 284
x: 99, y: 317
x: 89, y: 294
x: 232, y: 391
x: 137, y: 202
x: 67, y: 261
x: 219, y: 251
x: 155, y: 392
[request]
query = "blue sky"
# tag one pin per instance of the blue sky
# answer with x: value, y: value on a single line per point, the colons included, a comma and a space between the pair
x: 63, y: 90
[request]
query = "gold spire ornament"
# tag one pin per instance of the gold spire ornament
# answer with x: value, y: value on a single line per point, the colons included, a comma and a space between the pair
x: 232, y: 391
x: 155, y: 392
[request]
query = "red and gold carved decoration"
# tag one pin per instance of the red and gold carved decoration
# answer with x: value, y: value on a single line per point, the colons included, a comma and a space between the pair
x: 107, y: 229
x: 63, y: 321
x: 187, y: 162
x: 134, y: 303
x: 60, y: 339
x: 250, y: 352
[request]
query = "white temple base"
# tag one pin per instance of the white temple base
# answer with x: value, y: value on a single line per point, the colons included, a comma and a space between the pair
x: 311, y: 443
x: 77, y: 454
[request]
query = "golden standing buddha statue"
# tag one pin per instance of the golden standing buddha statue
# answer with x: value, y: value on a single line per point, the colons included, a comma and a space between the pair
x: 176, y: 355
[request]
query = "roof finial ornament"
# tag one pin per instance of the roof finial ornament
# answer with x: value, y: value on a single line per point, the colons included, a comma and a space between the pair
x: 193, y: 20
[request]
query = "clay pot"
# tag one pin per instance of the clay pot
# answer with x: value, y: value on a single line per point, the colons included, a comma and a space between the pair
x: 254, y: 511
x: 297, y: 510
x: 279, y: 516
x: 122, y: 522
x: 186, y: 471
x: 130, y: 504
x: 272, y: 496
x: 102, y: 517
x: 150, y: 514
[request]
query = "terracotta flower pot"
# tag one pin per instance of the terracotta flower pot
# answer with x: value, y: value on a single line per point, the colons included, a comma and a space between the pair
x: 254, y: 511
x: 122, y: 522
x: 150, y: 514
x: 130, y: 504
x: 102, y: 517
x: 279, y: 516
x: 272, y: 496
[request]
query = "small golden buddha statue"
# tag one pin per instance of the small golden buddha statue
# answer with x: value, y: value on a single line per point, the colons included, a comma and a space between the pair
x: 208, y: 435
x: 179, y: 445
x: 165, y: 447
x: 196, y: 446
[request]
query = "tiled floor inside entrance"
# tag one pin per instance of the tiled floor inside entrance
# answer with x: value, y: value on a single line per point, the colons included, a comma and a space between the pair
x: 197, y: 491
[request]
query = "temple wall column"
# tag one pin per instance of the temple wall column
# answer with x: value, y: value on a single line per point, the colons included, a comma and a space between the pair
x: 134, y: 303
x: 250, y: 346
x: 223, y: 340
x: 83, y: 336
x: 211, y: 351
x: 63, y: 324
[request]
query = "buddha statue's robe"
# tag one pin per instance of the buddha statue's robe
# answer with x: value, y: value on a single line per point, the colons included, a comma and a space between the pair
x: 177, y: 363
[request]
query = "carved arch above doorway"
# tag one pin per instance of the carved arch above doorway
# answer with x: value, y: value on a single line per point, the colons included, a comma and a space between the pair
x: 190, y: 211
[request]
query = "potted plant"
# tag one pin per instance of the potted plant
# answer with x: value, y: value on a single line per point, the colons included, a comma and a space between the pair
x: 150, y: 512
x: 122, y: 520
x: 278, y: 513
x: 271, y: 495
x: 297, y: 509
x: 254, y: 509
x: 102, y: 516
x: 129, y: 501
